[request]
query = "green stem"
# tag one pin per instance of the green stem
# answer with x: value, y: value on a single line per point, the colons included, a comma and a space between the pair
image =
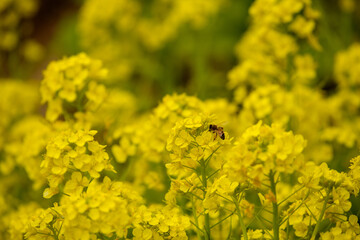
x: 195, y: 217
x: 321, y: 214
x: 128, y: 169
x: 276, y: 225
x: 290, y: 195
x: 53, y: 230
x: 207, y: 217
x: 241, y: 221
x: 287, y: 230
x: 220, y: 221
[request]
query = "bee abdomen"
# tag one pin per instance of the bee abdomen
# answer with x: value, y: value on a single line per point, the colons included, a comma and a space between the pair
x: 222, y: 136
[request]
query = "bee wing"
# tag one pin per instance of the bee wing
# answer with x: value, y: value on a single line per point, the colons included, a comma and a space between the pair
x: 222, y: 123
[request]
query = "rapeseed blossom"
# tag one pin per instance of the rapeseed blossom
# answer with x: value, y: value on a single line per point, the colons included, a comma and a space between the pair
x: 82, y: 157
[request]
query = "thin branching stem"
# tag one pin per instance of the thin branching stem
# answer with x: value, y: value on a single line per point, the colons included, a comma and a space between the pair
x: 257, y: 214
x: 264, y: 227
x: 223, y: 219
x: 204, y: 182
x: 284, y: 200
x: 276, y: 221
x: 241, y: 221
x: 317, y: 226
x: 213, y: 174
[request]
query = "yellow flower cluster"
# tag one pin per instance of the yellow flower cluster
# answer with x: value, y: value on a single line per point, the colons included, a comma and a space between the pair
x: 301, y: 110
x: 141, y: 144
x: 72, y: 81
x: 347, y: 68
x: 72, y: 90
x: 158, y: 222
x: 264, y: 50
x: 345, y: 103
x: 213, y: 175
x: 24, y: 98
x: 19, y: 128
x: 105, y: 208
x: 32, y: 131
x: 344, y: 230
x: 97, y: 167
x: 73, y: 151
x: 155, y: 128
x: 274, y: 82
x: 325, y: 193
x: 191, y: 142
x: 262, y: 149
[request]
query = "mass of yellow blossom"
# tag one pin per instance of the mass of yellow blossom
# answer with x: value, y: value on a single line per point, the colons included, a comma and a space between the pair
x: 83, y: 157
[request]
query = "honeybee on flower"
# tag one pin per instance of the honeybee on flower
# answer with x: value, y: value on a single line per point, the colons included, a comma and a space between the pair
x: 219, y: 131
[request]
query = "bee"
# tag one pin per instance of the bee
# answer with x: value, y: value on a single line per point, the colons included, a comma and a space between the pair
x: 218, y: 130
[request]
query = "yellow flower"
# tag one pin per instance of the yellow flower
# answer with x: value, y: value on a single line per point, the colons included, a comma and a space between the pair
x: 183, y: 139
x: 49, y: 192
x: 76, y: 184
x: 302, y: 27
x: 142, y: 233
x: 73, y: 149
x: 67, y: 80
x: 196, y: 153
